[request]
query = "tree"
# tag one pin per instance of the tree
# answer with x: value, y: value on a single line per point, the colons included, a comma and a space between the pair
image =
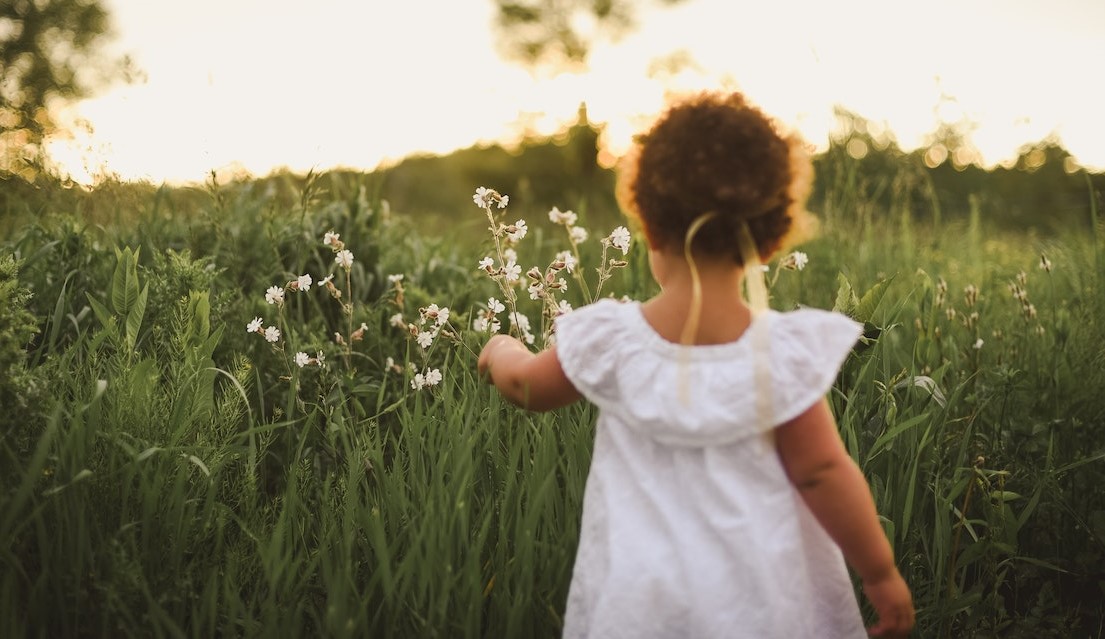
x: 50, y: 53
x: 561, y: 32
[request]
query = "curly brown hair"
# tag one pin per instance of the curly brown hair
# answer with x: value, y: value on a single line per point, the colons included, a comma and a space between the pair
x: 715, y: 153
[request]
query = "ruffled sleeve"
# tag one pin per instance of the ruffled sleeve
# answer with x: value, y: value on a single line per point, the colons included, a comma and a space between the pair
x: 808, y: 348
x: 585, y: 342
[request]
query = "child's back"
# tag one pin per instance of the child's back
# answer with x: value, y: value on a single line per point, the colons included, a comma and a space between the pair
x: 691, y: 526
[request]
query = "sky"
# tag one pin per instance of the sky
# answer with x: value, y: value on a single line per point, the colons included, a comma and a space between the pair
x: 262, y: 85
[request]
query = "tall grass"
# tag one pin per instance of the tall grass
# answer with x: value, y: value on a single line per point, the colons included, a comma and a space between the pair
x: 175, y: 478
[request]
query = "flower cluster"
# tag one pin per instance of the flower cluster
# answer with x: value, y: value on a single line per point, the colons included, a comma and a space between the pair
x: 546, y: 285
x: 436, y: 317
x: 271, y: 333
x: 432, y: 377
x: 486, y: 319
x: 276, y: 295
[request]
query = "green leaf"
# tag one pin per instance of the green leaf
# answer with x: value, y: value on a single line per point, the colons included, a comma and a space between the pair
x: 134, y: 317
x: 199, y: 313
x: 199, y: 464
x: 84, y: 474
x: 147, y: 453
x: 871, y: 300
x: 102, y: 313
x: 124, y: 283
x: 846, y: 300
x: 59, y: 313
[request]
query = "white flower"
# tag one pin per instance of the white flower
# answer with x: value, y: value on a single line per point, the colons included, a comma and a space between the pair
x: 495, y: 306
x: 520, y: 230
x: 272, y: 334
x: 563, y: 307
x: 486, y: 264
x: 397, y: 321
x: 523, y: 325
x: 510, y: 255
x: 978, y: 344
x: 302, y: 359
x: 567, y: 218
x: 535, y: 290
x: 795, y: 261
x: 438, y: 315
x: 512, y: 271
x: 433, y: 377
x: 418, y: 381
x: 619, y: 238
x: 319, y: 357
x: 274, y: 295
x: 255, y: 325
x: 389, y: 364
x: 481, y: 323
x: 578, y: 234
x: 568, y: 259
x: 344, y: 258
x: 484, y: 198
x: 397, y: 277
x: 520, y: 320
x: 424, y: 339
x: 303, y: 282
x: 330, y: 238
x: 326, y: 280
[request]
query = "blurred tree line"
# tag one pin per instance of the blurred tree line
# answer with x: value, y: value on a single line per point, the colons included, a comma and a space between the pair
x: 1043, y: 189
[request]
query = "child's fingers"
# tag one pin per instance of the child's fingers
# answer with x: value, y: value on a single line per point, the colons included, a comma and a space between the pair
x: 483, y: 364
x: 895, y: 623
x: 894, y: 605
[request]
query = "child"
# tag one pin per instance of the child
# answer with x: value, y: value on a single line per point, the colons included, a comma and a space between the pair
x: 720, y: 501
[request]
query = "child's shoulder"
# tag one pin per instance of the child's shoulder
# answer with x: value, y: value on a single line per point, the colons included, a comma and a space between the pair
x: 815, y: 321
x: 594, y: 315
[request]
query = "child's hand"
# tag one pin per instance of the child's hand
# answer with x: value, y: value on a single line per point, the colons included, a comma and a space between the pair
x: 892, y: 601
x: 484, y: 363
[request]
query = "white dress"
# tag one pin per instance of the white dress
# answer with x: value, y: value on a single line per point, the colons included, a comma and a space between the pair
x: 690, y: 527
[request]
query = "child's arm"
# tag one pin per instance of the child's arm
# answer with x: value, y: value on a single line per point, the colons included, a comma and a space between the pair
x: 835, y: 490
x: 535, y: 382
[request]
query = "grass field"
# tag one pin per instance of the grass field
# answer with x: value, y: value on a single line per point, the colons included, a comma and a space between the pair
x: 164, y: 472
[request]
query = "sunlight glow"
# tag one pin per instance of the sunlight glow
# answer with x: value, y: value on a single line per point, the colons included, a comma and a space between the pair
x: 362, y: 84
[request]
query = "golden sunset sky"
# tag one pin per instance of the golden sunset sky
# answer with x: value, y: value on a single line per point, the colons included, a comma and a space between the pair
x: 257, y: 85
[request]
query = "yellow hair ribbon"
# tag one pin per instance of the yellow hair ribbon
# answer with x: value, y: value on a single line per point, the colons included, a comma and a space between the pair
x: 690, y: 327
x: 694, y: 313
x: 753, y: 270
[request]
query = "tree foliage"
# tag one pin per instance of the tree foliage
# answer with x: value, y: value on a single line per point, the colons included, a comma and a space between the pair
x: 562, y: 32
x: 51, y: 52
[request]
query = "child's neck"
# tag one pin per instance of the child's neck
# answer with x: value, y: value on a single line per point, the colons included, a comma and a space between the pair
x: 724, y: 313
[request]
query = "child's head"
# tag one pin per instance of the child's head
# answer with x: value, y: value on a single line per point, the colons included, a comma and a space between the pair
x: 715, y: 153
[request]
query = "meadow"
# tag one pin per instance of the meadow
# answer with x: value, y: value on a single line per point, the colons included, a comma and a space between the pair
x: 167, y: 472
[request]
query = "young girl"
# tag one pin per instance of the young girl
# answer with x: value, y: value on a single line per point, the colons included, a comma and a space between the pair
x: 721, y: 501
